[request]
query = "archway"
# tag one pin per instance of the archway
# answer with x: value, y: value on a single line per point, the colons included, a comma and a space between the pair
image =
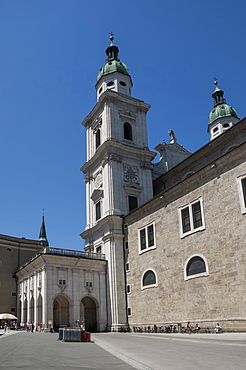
x: 31, y: 310
x: 60, y: 311
x: 88, y: 313
x: 39, y: 311
x: 25, y: 311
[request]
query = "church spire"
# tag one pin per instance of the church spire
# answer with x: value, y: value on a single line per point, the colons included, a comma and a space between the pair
x: 42, y: 233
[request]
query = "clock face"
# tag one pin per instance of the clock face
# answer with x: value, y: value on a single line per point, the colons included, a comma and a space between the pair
x: 130, y: 173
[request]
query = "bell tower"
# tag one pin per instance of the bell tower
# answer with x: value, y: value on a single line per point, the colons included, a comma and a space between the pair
x: 118, y: 173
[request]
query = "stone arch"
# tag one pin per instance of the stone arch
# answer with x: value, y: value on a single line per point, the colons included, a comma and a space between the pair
x: 89, y: 313
x: 39, y: 310
x: 31, y: 310
x: 25, y: 311
x: 61, y: 306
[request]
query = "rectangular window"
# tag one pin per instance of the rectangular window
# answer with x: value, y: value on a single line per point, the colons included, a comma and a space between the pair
x: 126, y: 245
x: 62, y: 277
x: 99, y: 250
x: 192, y: 218
x: 147, y: 238
x: 127, y: 266
x: 13, y: 294
x: 128, y: 289
x: 242, y: 192
x: 132, y: 202
x: 12, y: 309
x: 98, y: 211
x: 129, y: 311
x: 88, y: 280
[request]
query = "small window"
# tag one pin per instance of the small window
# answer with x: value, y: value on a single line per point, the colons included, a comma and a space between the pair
x: 132, y: 202
x: 192, y: 218
x: 215, y: 129
x: 12, y: 309
x: 226, y: 125
x: 126, y: 245
x: 100, y: 90
x: 122, y: 83
x: 9, y: 249
x: 62, y: 277
x: 98, y: 138
x: 98, y: 210
x: 13, y: 294
x: 88, y: 280
x: 110, y: 83
x: 147, y: 238
x: 99, y: 250
x: 127, y: 266
x: 242, y: 192
x: 128, y: 289
x: 129, y: 311
x: 149, y: 278
x: 196, y: 266
x: 127, y: 131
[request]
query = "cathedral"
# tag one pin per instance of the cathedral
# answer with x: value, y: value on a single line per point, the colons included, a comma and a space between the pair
x: 164, y: 241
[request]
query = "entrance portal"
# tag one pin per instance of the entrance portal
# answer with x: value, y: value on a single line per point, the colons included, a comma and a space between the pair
x: 60, y: 311
x: 88, y: 314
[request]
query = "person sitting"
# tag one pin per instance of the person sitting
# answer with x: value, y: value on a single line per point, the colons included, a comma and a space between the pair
x: 197, y: 328
x: 218, y: 328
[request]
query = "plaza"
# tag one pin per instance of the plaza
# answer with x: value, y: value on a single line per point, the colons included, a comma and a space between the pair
x: 126, y: 351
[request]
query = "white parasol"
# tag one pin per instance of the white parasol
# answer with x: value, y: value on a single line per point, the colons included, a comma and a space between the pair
x: 7, y: 316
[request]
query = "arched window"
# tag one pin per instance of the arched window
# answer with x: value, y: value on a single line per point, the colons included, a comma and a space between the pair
x: 98, y: 138
x: 149, y: 278
x: 127, y: 131
x: 196, y: 265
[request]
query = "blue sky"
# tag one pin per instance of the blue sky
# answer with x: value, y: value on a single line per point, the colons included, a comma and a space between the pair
x: 51, y: 52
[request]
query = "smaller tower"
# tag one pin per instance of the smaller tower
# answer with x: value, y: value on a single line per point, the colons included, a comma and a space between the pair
x: 114, y: 74
x: 222, y: 116
x: 42, y: 233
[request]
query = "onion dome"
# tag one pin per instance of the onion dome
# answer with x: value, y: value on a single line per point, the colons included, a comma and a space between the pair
x: 221, y: 109
x: 113, y: 63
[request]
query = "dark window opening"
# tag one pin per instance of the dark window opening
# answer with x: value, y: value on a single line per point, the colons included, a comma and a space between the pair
x: 133, y: 203
x: 98, y: 211
x: 100, y: 90
x: 110, y: 83
x: 196, y: 265
x: 122, y: 83
x: 185, y: 214
x: 197, y: 215
x: 215, y: 129
x: 151, y: 240
x: 149, y: 278
x: 142, y: 239
x: 98, y: 138
x: 127, y: 131
x: 244, y: 191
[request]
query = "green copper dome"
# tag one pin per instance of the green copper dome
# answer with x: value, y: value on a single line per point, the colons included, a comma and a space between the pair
x: 113, y: 63
x: 221, y: 109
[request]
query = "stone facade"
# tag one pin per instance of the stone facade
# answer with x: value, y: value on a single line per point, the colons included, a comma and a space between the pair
x: 217, y: 294
x: 61, y: 286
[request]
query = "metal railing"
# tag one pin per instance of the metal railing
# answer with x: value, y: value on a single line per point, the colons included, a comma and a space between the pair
x: 73, y: 253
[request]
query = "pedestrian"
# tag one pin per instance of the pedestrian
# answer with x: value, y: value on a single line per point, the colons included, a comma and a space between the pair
x: 188, y: 327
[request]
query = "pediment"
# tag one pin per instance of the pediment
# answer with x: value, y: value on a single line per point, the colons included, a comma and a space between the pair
x: 96, y: 195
